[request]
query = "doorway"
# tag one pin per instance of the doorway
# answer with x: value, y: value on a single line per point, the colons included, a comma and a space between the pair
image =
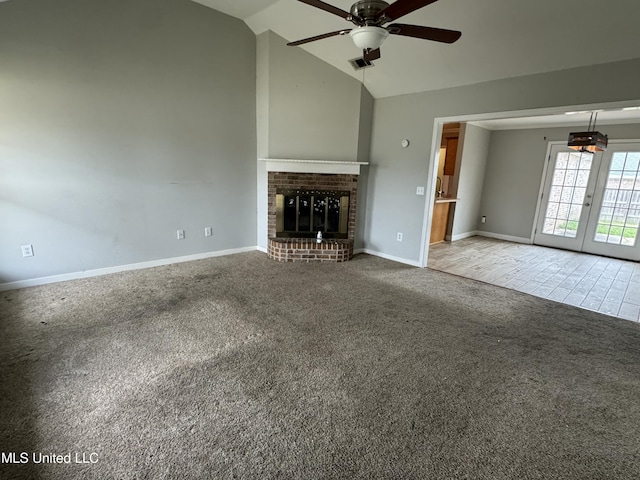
x: 591, y: 202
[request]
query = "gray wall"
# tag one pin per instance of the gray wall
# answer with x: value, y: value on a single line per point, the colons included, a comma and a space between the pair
x: 364, y: 155
x: 308, y: 109
x: 473, y: 160
x: 395, y: 172
x: 120, y: 122
x: 314, y: 108
x: 514, y: 172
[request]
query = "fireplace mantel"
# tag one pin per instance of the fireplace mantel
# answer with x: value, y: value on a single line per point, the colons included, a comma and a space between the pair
x: 312, y: 166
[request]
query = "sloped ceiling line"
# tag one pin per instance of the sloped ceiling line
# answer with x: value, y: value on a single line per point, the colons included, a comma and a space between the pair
x: 501, y: 39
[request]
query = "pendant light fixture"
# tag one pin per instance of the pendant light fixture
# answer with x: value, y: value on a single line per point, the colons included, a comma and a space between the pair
x: 591, y: 141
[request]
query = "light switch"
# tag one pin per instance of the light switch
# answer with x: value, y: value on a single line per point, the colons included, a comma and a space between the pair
x: 420, y: 191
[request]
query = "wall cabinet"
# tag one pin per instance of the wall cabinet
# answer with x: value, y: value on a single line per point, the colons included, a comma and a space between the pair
x: 450, y: 156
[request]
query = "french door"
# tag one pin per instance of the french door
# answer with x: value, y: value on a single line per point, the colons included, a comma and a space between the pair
x: 591, y: 202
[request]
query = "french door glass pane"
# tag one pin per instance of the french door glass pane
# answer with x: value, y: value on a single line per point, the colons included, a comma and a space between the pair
x: 619, y: 217
x: 567, y: 193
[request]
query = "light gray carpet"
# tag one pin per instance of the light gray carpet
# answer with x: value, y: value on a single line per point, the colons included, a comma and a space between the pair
x: 241, y: 367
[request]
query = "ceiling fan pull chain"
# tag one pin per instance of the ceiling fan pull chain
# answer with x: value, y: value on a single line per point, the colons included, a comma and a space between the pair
x: 364, y: 71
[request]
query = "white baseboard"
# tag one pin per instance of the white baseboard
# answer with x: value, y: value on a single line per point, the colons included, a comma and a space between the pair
x: 262, y: 249
x: 507, y: 238
x: 460, y: 236
x: 498, y: 236
x: 120, y: 268
x: 413, y: 263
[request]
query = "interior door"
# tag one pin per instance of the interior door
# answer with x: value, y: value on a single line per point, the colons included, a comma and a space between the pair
x: 566, y: 202
x: 612, y: 229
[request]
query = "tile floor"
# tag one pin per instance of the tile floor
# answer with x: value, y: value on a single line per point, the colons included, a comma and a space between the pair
x: 602, y: 284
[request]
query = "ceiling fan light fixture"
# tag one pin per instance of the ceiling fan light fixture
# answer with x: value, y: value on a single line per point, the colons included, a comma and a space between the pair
x: 368, y: 38
x: 370, y: 16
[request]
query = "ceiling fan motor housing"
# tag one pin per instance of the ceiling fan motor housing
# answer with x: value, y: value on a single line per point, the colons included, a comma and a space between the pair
x: 365, y: 12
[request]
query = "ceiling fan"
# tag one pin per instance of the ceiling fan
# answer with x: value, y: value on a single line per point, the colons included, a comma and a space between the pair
x: 370, y: 16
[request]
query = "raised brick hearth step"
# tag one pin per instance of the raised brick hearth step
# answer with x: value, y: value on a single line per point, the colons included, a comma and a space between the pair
x: 309, y: 250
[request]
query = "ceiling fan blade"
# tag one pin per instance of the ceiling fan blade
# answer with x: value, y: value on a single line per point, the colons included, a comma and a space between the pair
x: 400, y: 8
x: 327, y: 8
x: 318, y: 37
x: 426, y: 33
x: 370, y: 55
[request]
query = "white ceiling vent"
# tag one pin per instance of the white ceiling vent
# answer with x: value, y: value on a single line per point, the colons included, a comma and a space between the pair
x: 360, y: 63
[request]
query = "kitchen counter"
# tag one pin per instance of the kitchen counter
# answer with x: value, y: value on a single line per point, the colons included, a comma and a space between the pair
x: 446, y: 200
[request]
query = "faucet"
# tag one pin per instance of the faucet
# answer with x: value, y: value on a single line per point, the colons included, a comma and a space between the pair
x: 439, y: 190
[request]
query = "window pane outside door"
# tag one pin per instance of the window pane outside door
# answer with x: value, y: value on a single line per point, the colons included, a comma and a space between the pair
x: 567, y: 193
x: 619, y: 216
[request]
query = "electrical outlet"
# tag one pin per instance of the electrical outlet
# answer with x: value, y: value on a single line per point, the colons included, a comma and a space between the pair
x: 180, y: 234
x: 399, y: 236
x: 420, y: 191
x: 483, y: 219
x: 27, y: 250
x: 208, y: 231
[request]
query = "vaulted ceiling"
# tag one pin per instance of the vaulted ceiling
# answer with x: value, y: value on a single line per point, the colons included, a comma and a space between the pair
x: 501, y: 39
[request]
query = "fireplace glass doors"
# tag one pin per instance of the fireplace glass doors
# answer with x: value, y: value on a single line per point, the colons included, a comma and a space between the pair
x: 301, y: 213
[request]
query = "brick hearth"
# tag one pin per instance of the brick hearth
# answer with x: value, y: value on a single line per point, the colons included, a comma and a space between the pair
x: 308, y: 250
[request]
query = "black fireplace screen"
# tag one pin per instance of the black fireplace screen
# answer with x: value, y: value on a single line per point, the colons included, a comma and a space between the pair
x: 302, y: 213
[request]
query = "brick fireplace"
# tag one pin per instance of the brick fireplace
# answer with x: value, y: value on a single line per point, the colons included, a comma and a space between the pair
x: 305, y: 248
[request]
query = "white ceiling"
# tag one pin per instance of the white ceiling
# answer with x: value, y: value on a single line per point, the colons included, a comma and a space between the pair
x: 500, y: 39
x: 237, y: 8
x: 572, y: 119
